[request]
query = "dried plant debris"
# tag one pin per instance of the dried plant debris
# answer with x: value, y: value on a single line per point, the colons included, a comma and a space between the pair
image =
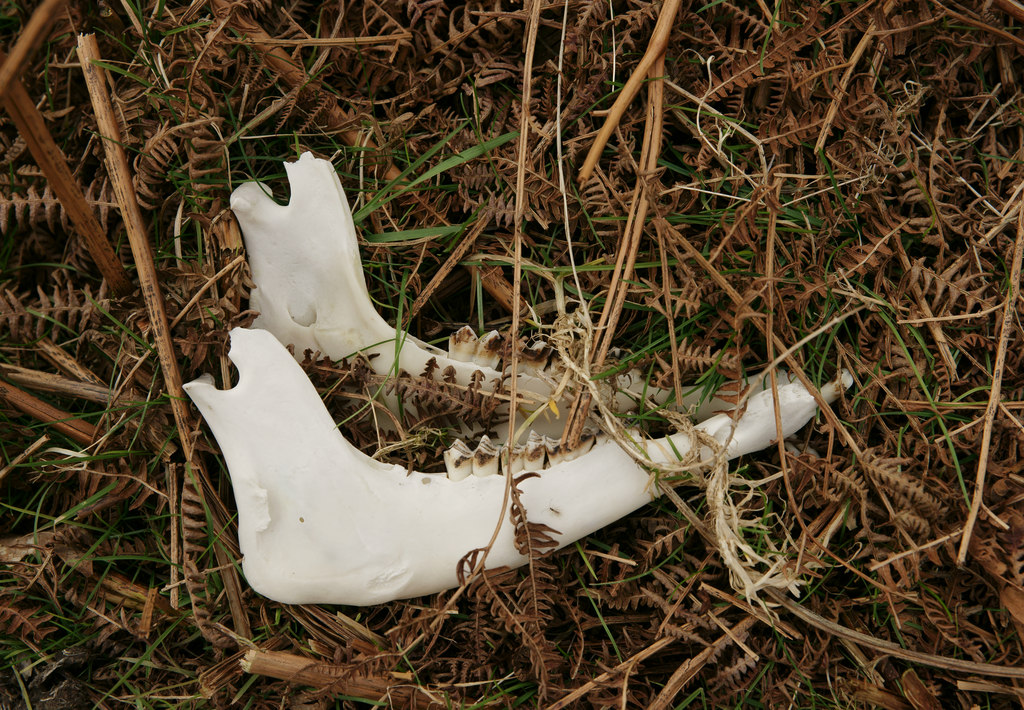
x: 839, y: 186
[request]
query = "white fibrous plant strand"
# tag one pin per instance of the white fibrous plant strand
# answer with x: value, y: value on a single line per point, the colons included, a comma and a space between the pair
x: 749, y: 571
x: 320, y: 522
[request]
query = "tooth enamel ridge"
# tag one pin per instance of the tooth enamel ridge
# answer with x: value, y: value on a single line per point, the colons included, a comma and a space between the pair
x: 320, y: 522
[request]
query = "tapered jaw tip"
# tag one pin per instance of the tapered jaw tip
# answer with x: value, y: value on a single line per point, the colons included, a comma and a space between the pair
x: 831, y: 391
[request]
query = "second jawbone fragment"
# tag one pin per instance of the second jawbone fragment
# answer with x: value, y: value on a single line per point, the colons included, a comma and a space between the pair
x: 320, y: 522
x: 311, y: 293
x: 310, y: 289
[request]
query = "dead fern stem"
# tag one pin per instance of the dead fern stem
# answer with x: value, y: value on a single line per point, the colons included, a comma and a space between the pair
x: 1009, y: 322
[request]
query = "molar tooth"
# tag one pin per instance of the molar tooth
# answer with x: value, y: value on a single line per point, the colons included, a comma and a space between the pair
x: 533, y: 453
x: 535, y: 356
x: 458, y: 460
x: 556, y: 452
x: 488, y: 350
x: 462, y: 344
x: 485, y: 459
x: 586, y: 444
x: 516, y: 461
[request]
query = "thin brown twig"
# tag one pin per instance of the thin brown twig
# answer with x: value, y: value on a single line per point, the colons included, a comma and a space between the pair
x: 465, y: 244
x: 833, y: 108
x: 689, y: 668
x: 624, y: 667
x: 1009, y: 309
x: 327, y: 41
x: 655, y: 51
x: 135, y: 226
x: 978, y: 24
x: 28, y: 42
x: 24, y: 456
x: 32, y: 127
x: 79, y: 431
x: 626, y: 255
x: 234, y: 263
x: 888, y: 647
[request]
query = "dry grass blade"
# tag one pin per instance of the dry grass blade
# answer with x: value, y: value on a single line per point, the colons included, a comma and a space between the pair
x: 337, y: 679
x: 135, y: 226
x: 71, y: 367
x: 48, y: 382
x: 327, y: 41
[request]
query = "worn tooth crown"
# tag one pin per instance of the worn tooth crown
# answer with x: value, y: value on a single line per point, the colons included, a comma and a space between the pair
x: 534, y: 453
x: 458, y: 461
x: 485, y: 458
x: 488, y: 350
x: 535, y: 356
x: 462, y: 344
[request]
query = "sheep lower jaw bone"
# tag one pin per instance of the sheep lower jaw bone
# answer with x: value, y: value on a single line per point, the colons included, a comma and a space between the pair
x: 311, y: 293
x: 320, y: 522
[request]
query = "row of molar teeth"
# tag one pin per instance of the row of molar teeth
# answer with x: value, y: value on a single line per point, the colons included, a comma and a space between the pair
x: 539, y: 452
x: 464, y: 346
x: 486, y: 351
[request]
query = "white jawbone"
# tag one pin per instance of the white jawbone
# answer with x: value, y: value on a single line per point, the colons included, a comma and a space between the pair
x: 320, y: 522
x: 310, y: 293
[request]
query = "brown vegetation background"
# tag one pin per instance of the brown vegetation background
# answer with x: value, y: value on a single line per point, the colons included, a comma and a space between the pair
x: 839, y: 183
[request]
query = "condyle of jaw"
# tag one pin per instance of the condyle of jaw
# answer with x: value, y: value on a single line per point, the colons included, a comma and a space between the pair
x: 320, y: 522
x: 311, y: 294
